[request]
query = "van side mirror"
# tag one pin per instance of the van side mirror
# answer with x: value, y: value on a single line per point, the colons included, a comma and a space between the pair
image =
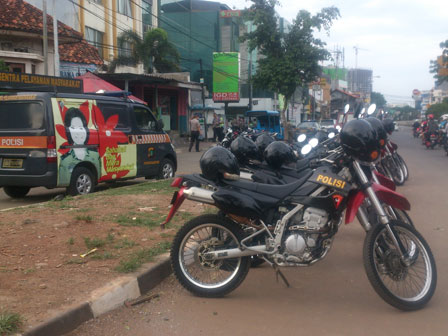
x: 159, y: 125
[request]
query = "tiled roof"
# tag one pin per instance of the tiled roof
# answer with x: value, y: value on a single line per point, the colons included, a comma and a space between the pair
x: 80, y: 52
x: 18, y: 15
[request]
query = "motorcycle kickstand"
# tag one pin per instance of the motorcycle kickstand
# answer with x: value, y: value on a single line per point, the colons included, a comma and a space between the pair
x: 278, y: 272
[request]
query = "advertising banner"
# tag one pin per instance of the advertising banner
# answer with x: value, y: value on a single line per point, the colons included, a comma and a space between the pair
x: 226, y: 71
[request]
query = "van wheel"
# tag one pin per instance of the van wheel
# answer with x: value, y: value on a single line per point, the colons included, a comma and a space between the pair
x: 82, y: 182
x: 16, y: 192
x: 166, y: 169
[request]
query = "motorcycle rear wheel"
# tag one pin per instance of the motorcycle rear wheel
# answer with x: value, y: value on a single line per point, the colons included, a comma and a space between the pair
x: 202, y: 277
x: 404, y: 287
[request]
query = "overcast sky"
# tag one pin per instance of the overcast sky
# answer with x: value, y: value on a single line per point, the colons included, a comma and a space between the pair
x: 399, y: 37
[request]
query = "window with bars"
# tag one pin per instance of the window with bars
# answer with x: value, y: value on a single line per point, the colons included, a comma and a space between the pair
x: 95, y: 37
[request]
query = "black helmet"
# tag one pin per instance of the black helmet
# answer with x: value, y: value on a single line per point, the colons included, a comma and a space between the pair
x: 262, y: 141
x: 389, y: 125
x: 359, y: 139
x: 377, y: 125
x: 244, y: 149
x: 279, y: 153
x: 216, y: 161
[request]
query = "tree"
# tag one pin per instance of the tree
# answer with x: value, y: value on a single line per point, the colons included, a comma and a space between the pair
x: 154, y: 51
x: 3, y: 66
x: 439, y: 67
x: 289, y: 59
x: 438, y: 110
x: 407, y: 112
x: 378, y: 99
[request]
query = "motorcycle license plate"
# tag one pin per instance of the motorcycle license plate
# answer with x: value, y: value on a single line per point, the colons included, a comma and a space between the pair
x: 174, y: 197
x: 12, y: 163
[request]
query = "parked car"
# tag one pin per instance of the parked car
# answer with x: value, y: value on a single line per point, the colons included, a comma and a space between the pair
x: 77, y: 140
x: 328, y: 123
x: 307, y: 127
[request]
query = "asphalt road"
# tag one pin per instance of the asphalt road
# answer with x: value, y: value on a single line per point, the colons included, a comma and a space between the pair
x: 187, y: 163
x: 333, y: 297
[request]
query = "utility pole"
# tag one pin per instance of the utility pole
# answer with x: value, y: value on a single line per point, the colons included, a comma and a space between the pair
x: 250, y: 83
x: 56, y: 41
x: 44, y: 8
x: 203, y: 99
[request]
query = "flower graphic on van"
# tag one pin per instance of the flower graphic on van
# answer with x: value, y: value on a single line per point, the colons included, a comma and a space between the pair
x: 109, y: 151
x: 62, y: 128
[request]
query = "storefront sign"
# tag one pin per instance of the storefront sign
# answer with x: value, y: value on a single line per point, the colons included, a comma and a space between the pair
x: 229, y: 13
x: 29, y: 82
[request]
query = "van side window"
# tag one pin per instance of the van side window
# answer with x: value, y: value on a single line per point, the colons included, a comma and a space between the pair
x: 121, y: 110
x: 144, y: 118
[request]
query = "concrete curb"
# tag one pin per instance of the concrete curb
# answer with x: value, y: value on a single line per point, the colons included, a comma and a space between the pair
x: 105, y: 299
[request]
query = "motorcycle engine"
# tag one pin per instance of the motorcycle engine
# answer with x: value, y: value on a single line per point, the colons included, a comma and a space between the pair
x: 305, y: 235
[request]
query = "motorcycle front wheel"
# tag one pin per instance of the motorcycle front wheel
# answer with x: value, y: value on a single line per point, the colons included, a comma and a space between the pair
x: 403, y: 166
x: 393, y: 171
x: 199, y: 275
x: 406, y: 286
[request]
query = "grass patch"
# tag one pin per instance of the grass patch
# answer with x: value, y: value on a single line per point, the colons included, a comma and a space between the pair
x: 138, y: 258
x: 29, y: 271
x: 71, y: 241
x: 160, y: 186
x: 10, y: 323
x: 103, y: 256
x: 124, y: 244
x: 94, y: 242
x: 85, y: 218
x: 142, y: 219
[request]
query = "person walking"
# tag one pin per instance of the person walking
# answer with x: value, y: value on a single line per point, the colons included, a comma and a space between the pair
x: 195, y: 131
x: 216, y: 122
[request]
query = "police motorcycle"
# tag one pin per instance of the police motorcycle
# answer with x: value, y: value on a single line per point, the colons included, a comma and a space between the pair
x: 295, y: 224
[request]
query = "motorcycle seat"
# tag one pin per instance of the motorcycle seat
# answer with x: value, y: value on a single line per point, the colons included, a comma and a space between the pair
x: 275, y: 191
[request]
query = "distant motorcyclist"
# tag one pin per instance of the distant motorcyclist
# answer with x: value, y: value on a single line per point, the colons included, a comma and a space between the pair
x: 416, y: 124
x: 431, y: 127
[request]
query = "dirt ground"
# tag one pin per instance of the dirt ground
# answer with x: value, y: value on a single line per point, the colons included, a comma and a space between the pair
x: 41, y: 268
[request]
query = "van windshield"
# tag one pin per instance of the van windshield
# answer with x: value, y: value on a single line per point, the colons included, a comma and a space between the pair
x: 21, y: 115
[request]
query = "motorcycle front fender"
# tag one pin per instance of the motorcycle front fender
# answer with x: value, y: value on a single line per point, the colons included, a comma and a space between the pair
x: 385, y: 181
x: 384, y: 194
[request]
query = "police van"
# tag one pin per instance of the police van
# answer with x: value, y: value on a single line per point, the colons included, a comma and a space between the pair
x: 78, y: 140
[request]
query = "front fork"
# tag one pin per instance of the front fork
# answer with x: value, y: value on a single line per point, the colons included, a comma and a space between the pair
x: 384, y: 219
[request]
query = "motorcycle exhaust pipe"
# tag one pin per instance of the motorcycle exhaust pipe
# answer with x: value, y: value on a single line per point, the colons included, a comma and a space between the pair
x: 199, y: 195
x: 235, y: 253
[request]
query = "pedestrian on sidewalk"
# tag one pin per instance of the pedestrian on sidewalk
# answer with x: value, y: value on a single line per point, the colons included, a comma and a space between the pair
x: 195, y: 131
x: 216, y: 122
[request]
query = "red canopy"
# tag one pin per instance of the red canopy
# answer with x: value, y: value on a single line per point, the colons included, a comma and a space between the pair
x: 93, y: 84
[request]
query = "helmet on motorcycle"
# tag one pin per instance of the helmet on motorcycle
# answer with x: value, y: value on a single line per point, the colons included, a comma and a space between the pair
x: 279, y: 153
x: 431, y: 116
x: 262, y: 141
x: 359, y: 139
x: 389, y: 125
x: 377, y: 125
x: 244, y: 149
x: 216, y: 161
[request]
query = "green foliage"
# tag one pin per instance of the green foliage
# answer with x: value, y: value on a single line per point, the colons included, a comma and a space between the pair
x: 406, y: 113
x: 10, y: 323
x: 378, y: 99
x: 94, y: 242
x: 435, y: 67
x: 290, y: 59
x: 138, y: 258
x: 3, y: 66
x: 154, y: 51
x: 438, y: 110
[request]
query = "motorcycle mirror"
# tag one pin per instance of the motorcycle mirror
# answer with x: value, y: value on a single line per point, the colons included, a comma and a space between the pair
x: 331, y: 135
x: 362, y: 111
x: 306, y: 149
x: 301, y: 138
x: 314, y: 142
x: 371, y: 109
x: 346, y: 108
